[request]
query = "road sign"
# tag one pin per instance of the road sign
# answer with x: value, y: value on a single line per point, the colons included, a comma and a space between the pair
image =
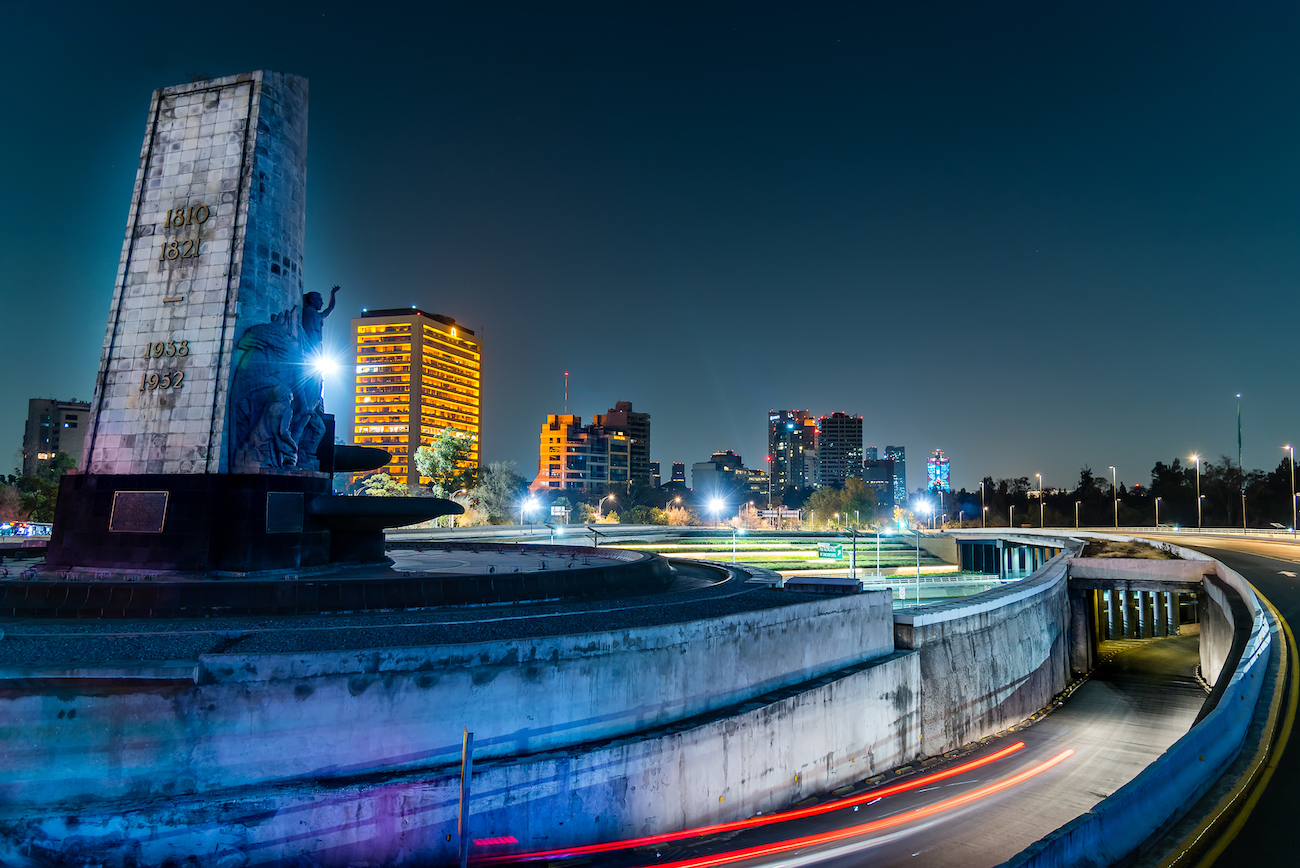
x: 830, y: 550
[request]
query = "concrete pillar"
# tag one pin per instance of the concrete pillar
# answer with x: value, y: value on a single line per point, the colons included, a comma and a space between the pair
x: 1082, y: 641
x: 1162, y: 614
x: 1116, y: 626
x: 1130, y: 614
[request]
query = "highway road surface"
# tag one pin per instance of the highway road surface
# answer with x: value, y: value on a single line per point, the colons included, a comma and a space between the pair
x: 1272, y: 567
x: 975, y: 810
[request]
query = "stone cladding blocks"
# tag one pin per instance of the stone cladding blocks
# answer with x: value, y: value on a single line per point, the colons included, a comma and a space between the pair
x: 214, y: 244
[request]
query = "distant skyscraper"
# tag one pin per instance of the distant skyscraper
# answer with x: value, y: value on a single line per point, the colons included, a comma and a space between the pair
x: 878, y: 474
x: 936, y: 472
x: 655, y: 479
x: 418, y: 374
x: 636, y: 427
x: 897, y: 454
x: 792, y: 449
x: 53, y: 427
x: 869, y: 453
x: 679, y: 472
x: 839, y: 448
x: 725, y: 476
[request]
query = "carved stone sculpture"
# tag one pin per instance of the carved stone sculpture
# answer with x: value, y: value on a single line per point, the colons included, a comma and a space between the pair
x: 262, y: 396
x: 276, y: 406
x: 309, y: 408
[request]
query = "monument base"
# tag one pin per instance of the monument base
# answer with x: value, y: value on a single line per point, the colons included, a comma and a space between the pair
x: 200, y: 523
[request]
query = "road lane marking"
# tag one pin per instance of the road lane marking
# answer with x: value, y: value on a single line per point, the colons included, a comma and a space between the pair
x: 1288, y: 721
x: 1286, y: 573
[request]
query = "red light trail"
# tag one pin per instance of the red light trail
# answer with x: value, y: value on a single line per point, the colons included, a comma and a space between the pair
x: 751, y: 822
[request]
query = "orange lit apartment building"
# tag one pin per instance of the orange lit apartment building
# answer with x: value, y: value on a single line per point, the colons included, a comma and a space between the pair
x: 574, y: 457
x: 415, y: 371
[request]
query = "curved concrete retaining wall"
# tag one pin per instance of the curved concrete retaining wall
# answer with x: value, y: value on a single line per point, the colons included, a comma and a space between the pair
x: 259, y: 718
x: 990, y: 660
x: 352, y: 756
x: 763, y: 755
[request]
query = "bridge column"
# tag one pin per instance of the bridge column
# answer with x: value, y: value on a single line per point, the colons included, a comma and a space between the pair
x: 1130, y: 614
x: 1162, y: 615
x: 1175, y: 613
x: 1083, y: 634
x: 1115, y: 624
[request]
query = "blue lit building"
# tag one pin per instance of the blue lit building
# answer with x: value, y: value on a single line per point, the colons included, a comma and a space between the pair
x: 898, y: 455
x: 936, y: 472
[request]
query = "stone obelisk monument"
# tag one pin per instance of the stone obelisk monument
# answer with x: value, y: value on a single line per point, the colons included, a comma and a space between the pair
x: 202, y: 448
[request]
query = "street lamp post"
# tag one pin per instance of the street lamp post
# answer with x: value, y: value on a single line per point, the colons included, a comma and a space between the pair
x: 877, y: 553
x: 1114, y: 491
x: 1197, y: 459
x: 984, y: 516
x: 1157, y: 513
x: 600, y: 506
x: 1291, y: 449
x: 1040, y: 500
x: 983, y: 508
x: 918, y: 566
x: 1076, y: 514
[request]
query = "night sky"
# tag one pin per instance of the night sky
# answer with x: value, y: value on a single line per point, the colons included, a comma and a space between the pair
x: 1038, y: 236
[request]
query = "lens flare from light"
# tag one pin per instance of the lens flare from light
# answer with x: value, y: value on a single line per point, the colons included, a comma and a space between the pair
x: 751, y: 822
x: 325, y: 365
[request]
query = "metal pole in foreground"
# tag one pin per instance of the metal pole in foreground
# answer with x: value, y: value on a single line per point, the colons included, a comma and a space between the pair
x: 466, y: 772
x: 918, y: 566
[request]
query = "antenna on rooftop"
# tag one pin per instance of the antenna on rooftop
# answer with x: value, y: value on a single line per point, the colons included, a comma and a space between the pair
x: 566, y: 393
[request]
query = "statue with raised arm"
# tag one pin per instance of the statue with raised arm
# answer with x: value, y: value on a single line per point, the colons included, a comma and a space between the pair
x: 309, y: 409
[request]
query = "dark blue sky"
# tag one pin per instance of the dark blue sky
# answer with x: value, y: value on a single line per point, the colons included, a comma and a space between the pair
x: 1038, y: 236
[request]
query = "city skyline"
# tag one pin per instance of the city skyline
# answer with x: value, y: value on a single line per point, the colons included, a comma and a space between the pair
x: 1134, y: 216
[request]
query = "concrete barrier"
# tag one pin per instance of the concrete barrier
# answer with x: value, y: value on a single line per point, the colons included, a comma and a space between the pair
x: 760, y: 756
x: 992, y: 659
x: 259, y: 718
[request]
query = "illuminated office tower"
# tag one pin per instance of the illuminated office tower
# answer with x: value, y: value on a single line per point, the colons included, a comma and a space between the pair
x: 655, y: 478
x: 936, y: 472
x: 839, y: 448
x: 870, y: 453
x: 418, y: 374
x: 791, y: 449
x: 679, y: 472
x: 898, y: 455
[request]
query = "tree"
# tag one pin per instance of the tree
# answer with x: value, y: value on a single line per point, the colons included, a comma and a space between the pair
x: 382, y: 485
x: 499, y: 491
x: 38, y: 493
x: 446, y: 462
x: 11, y: 504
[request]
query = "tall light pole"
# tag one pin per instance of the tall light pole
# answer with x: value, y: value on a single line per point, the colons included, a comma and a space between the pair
x: 983, y: 508
x: 1040, y: 499
x: 1291, y: 449
x: 1114, y: 491
x: 600, y: 506
x: 984, y: 516
x: 1076, y: 514
x: 1197, y: 459
x: 1157, y: 513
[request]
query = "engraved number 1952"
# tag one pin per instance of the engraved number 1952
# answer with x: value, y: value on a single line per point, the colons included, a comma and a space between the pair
x: 161, y: 381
